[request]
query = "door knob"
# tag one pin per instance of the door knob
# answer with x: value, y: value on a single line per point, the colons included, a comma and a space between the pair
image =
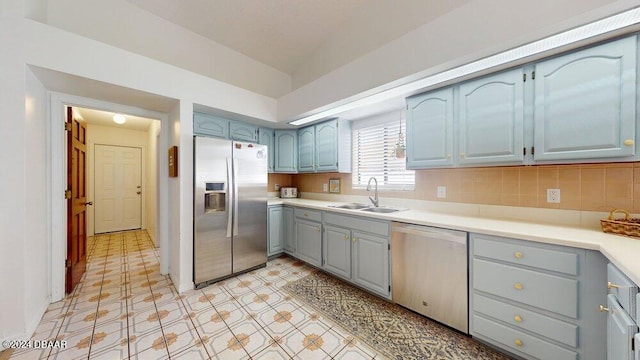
x: 89, y: 203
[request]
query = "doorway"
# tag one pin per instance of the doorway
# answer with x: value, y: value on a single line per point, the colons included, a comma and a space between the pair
x: 118, y: 188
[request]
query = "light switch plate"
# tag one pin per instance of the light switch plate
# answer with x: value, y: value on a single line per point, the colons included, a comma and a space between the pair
x: 442, y: 192
x: 325, y: 187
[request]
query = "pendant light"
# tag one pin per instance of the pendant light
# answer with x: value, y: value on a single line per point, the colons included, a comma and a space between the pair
x: 400, y: 150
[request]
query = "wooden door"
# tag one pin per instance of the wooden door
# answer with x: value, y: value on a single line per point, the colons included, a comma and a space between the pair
x: 76, y: 200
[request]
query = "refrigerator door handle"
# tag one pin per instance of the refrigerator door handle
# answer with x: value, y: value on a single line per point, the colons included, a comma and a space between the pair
x: 231, y: 192
x: 235, y: 197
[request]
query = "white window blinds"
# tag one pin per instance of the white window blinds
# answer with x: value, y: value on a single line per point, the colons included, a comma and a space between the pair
x: 374, y: 155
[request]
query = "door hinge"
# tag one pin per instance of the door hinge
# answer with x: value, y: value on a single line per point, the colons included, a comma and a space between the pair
x: 633, y: 344
x: 67, y: 194
x: 67, y: 263
x: 389, y: 288
x: 524, y: 77
x: 533, y: 75
x: 388, y: 246
x: 524, y: 151
x: 67, y: 126
x: 533, y: 150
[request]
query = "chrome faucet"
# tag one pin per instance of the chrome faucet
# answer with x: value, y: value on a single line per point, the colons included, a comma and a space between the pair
x: 374, y: 201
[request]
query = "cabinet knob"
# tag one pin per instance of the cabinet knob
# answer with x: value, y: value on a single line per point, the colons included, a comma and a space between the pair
x: 355, y: 239
x: 518, y: 342
x: 611, y: 285
x: 517, y: 318
x: 318, y: 229
x: 346, y: 237
x: 601, y: 308
x: 461, y: 154
x: 448, y: 156
x: 518, y: 255
x: 628, y: 142
x: 518, y: 286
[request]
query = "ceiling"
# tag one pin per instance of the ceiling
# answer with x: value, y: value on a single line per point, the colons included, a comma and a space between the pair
x: 286, y: 34
x: 105, y: 118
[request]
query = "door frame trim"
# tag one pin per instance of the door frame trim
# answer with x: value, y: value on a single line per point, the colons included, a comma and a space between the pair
x: 56, y: 168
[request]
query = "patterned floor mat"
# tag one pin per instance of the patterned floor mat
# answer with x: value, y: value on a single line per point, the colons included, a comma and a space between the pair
x: 396, y: 332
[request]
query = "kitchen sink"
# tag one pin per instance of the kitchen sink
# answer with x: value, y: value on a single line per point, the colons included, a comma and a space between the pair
x: 352, y: 206
x: 383, y: 210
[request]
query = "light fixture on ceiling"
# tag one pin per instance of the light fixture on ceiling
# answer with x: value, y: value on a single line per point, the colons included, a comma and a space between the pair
x: 119, y: 119
x: 600, y: 27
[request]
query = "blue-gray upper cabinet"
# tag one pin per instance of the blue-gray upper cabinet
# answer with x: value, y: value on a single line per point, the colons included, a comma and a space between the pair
x: 243, y: 132
x: 265, y: 137
x: 430, y: 129
x: 491, y: 119
x: 306, y: 149
x: 325, y: 147
x: 286, y: 154
x: 210, y: 125
x: 585, y: 103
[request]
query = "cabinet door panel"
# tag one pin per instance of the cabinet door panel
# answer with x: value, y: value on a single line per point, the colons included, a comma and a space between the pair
x: 326, y: 146
x: 309, y: 241
x: 265, y: 137
x: 306, y: 146
x: 430, y: 129
x: 491, y: 125
x: 275, y: 230
x: 288, y: 230
x: 204, y: 124
x: 585, y: 103
x: 337, y: 251
x: 286, y: 154
x: 620, y: 331
x: 371, y: 262
x: 242, y: 132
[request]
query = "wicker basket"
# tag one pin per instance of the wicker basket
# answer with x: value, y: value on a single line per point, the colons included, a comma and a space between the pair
x: 627, y: 226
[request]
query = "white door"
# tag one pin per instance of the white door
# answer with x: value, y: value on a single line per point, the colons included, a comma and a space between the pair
x: 118, y: 188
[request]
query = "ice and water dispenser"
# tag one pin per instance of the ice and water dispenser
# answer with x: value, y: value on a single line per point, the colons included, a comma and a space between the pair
x: 215, y: 196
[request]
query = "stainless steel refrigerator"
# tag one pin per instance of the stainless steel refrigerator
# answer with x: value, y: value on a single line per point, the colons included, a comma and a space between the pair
x: 230, y: 208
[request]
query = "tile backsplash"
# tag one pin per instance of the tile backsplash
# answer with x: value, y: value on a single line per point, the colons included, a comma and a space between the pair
x: 587, y: 187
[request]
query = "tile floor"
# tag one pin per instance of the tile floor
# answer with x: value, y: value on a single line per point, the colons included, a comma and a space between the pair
x: 124, y: 308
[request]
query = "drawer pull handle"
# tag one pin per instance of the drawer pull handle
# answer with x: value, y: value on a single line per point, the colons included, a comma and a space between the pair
x: 603, y: 309
x: 518, y: 342
x: 518, y: 255
x: 517, y: 318
x: 518, y: 286
x: 611, y: 285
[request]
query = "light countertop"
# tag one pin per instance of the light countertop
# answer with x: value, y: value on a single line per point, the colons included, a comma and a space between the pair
x: 622, y: 251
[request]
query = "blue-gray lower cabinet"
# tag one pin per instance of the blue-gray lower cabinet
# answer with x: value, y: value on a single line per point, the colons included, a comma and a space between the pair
x: 309, y: 241
x: 622, y: 329
x: 537, y: 301
x: 288, y: 230
x: 371, y: 262
x: 336, y: 251
x: 276, y: 233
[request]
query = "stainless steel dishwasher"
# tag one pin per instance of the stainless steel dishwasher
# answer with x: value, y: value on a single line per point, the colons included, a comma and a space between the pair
x: 429, y: 273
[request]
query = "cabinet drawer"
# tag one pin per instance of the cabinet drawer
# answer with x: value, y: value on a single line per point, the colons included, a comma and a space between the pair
x: 552, y: 293
x: 519, y: 341
x: 622, y: 288
x: 553, y: 260
x: 561, y: 331
x: 308, y: 214
x: 357, y: 223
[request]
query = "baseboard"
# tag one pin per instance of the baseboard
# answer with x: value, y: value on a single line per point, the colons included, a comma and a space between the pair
x: 31, y: 326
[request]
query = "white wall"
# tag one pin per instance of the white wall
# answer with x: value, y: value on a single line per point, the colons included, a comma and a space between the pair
x: 36, y: 254
x: 151, y: 186
x: 125, y: 25
x: 475, y: 30
x: 110, y: 135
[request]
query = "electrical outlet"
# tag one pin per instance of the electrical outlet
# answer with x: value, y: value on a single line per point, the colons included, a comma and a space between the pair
x: 277, y: 187
x: 325, y: 187
x: 553, y: 195
x: 442, y: 192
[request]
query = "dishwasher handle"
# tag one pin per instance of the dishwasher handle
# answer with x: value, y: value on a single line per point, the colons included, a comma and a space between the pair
x: 426, y: 231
